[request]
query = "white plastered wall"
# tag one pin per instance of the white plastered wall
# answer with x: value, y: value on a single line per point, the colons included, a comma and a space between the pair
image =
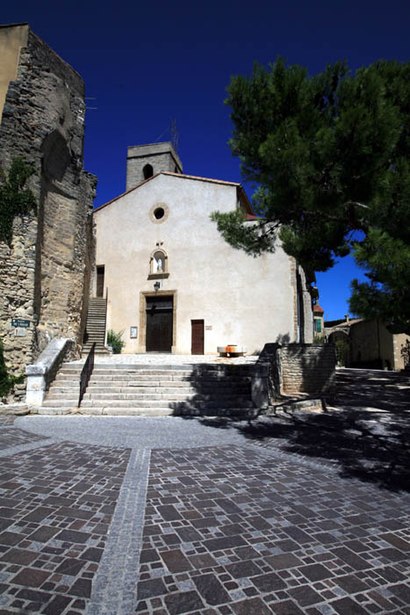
x: 242, y: 300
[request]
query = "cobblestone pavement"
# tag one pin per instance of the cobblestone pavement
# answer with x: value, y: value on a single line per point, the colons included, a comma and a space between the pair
x: 117, y: 516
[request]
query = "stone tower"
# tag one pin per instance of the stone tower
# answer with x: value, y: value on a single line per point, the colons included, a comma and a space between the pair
x: 144, y: 161
x: 45, y: 272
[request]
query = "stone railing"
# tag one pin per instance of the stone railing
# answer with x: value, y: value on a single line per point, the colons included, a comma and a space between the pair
x: 41, y: 373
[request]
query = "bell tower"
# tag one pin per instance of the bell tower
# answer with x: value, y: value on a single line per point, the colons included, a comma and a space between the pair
x: 144, y: 161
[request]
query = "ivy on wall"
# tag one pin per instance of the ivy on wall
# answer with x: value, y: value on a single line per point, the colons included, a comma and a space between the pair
x: 7, y: 381
x: 15, y: 199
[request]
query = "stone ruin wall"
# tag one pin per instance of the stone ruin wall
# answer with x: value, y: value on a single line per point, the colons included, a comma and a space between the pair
x: 45, y: 274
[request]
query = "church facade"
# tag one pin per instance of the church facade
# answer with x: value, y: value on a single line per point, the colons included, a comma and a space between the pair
x: 171, y: 281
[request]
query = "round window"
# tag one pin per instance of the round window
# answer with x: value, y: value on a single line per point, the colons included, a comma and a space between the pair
x: 159, y: 213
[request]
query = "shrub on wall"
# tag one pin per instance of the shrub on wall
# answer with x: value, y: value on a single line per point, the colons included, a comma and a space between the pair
x: 115, y: 341
x: 7, y: 382
x: 405, y: 353
x: 342, y: 352
x: 15, y: 199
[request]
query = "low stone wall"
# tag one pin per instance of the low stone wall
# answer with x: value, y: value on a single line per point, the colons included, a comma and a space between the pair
x: 292, y: 370
x: 305, y: 368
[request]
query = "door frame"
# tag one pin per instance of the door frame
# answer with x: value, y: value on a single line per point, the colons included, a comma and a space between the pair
x: 142, y: 346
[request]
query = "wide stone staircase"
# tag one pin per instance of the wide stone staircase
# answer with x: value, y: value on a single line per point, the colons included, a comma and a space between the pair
x: 95, y: 326
x: 149, y: 390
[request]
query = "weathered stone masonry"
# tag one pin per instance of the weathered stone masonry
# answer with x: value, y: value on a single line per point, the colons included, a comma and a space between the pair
x: 44, y: 276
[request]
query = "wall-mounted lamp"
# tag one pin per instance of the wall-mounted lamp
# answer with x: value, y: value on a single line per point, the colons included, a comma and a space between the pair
x: 157, y: 286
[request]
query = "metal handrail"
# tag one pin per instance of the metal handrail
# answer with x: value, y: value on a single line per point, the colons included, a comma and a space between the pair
x: 86, y: 373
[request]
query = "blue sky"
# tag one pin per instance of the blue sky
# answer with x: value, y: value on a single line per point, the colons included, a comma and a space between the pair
x: 147, y: 64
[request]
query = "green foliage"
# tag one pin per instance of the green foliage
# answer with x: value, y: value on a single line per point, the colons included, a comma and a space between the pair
x: 7, y: 382
x: 405, y: 353
x: 115, y: 341
x: 15, y: 200
x: 319, y: 340
x: 342, y: 352
x: 254, y: 239
x: 387, y: 293
x: 329, y: 157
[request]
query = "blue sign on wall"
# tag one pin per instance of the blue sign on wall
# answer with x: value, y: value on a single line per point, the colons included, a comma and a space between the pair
x: 20, y: 322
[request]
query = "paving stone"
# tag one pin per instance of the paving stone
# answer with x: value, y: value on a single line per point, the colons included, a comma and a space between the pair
x: 150, y: 588
x: 30, y: 577
x: 243, y: 569
x: 351, y: 583
x: 251, y: 605
x: 347, y: 606
x: 231, y: 525
x: 183, y: 602
x: 211, y: 589
x: 315, y: 572
x: 176, y: 561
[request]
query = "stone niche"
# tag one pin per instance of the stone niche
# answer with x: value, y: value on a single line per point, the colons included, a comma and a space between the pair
x: 45, y: 273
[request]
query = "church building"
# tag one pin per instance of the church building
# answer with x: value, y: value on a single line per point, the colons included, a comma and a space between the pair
x: 171, y: 282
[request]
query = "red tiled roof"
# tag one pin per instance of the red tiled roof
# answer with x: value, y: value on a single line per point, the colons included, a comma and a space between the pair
x: 317, y: 309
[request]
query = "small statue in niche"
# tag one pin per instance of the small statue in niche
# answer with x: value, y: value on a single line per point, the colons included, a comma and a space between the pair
x: 158, y: 262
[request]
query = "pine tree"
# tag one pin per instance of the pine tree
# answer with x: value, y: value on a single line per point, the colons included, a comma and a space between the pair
x: 329, y: 156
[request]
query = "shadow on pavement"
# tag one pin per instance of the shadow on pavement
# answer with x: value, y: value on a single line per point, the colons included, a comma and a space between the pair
x: 365, y: 428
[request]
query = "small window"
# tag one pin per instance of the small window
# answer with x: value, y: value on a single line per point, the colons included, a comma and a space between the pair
x: 159, y: 213
x: 148, y: 171
x: 318, y: 325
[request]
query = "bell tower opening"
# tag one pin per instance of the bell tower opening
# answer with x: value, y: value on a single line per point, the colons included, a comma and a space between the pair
x: 145, y: 161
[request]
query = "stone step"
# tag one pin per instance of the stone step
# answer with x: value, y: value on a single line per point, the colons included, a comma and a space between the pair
x: 126, y: 395
x: 70, y: 402
x: 152, y: 374
x: 139, y: 384
x: 61, y: 393
x: 99, y: 347
x: 171, y: 396
x: 135, y: 411
x: 166, y: 387
x: 156, y: 403
x: 185, y: 385
x: 113, y: 411
x: 107, y: 397
x: 147, y: 389
x: 209, y: 368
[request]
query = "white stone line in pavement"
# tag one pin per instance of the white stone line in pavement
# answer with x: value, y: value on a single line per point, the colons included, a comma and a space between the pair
x: 115, y: 584
x: 29, y: 446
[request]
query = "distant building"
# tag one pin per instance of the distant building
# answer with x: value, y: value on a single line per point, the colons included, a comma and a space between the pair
x: 318, y: 321
x: 369, y: 343
x: 172, y: 283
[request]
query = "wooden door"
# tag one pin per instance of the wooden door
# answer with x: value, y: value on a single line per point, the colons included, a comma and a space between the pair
x: 197, y: 336
x: 159, y: 324
x: 100, y: 280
